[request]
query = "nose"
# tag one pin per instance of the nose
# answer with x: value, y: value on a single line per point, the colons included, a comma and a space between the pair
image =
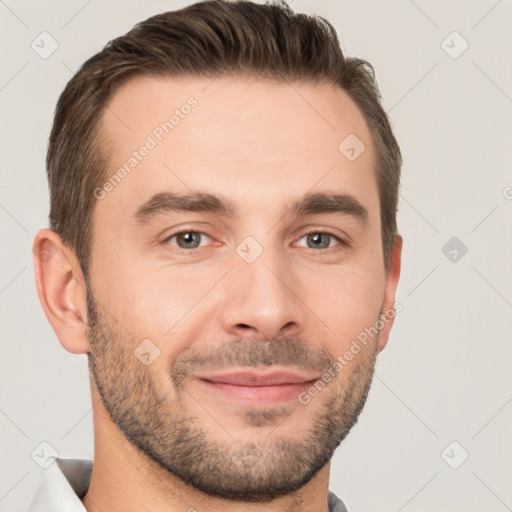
x: 261, y: 301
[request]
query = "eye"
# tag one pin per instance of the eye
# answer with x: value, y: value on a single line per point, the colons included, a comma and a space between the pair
x: 188, y: 239
x: 321, y: 240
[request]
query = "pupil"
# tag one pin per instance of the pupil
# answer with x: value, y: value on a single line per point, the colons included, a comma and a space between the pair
x: 190, y: 239
x: 320, y: 240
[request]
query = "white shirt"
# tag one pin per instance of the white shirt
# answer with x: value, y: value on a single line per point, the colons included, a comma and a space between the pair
x: 61, y: 486
x: 66, y: 481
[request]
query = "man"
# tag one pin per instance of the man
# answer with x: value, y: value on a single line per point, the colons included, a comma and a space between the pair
x: 223, y: 247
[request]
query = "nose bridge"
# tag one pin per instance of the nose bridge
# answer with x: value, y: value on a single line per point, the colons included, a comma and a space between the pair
x: 260, y: 300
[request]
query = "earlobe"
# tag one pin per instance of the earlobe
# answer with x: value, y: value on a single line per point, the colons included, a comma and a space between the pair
x: 61, y: 289
x: 392, y: 276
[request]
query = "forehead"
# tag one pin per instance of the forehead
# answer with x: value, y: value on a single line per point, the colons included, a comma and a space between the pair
x: 234, y: 135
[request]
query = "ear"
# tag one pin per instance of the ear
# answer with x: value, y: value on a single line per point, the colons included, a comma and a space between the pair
x: 388, y: 307
x: 61, y: 289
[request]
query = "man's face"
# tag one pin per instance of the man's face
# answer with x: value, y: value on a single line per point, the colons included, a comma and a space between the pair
x: 246, y: 309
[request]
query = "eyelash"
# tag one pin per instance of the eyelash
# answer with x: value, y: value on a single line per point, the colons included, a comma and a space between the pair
x: 342, y: 244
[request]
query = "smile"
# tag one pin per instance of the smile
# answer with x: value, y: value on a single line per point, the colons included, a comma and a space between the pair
x: 258, y: 388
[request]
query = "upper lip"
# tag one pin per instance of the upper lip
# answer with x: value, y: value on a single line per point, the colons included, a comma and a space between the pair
x: 244, y: 377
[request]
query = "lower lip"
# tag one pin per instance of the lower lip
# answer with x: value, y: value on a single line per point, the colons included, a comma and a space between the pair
x: 256, y: 395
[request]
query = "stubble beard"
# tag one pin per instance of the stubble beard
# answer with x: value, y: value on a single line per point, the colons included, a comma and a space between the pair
x: 161, y: 427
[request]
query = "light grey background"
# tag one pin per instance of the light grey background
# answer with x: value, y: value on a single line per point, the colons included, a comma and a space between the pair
x: 445, y: 375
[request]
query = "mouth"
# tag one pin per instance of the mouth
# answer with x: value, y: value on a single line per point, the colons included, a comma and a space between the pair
x: 258, y: 387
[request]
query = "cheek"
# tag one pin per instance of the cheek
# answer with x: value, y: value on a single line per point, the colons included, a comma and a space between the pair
x: 162, y: 303
x: 347, y: 299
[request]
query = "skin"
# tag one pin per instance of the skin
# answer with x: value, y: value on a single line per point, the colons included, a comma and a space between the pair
x: 260, y: 145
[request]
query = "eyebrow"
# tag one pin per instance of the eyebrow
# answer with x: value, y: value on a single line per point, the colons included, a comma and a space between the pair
x: 312, y: 203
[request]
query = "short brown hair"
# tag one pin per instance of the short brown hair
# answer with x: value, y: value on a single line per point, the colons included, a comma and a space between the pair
x: 210, y: 38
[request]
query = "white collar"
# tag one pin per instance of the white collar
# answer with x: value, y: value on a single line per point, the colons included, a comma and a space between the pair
x: 62, y: 485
